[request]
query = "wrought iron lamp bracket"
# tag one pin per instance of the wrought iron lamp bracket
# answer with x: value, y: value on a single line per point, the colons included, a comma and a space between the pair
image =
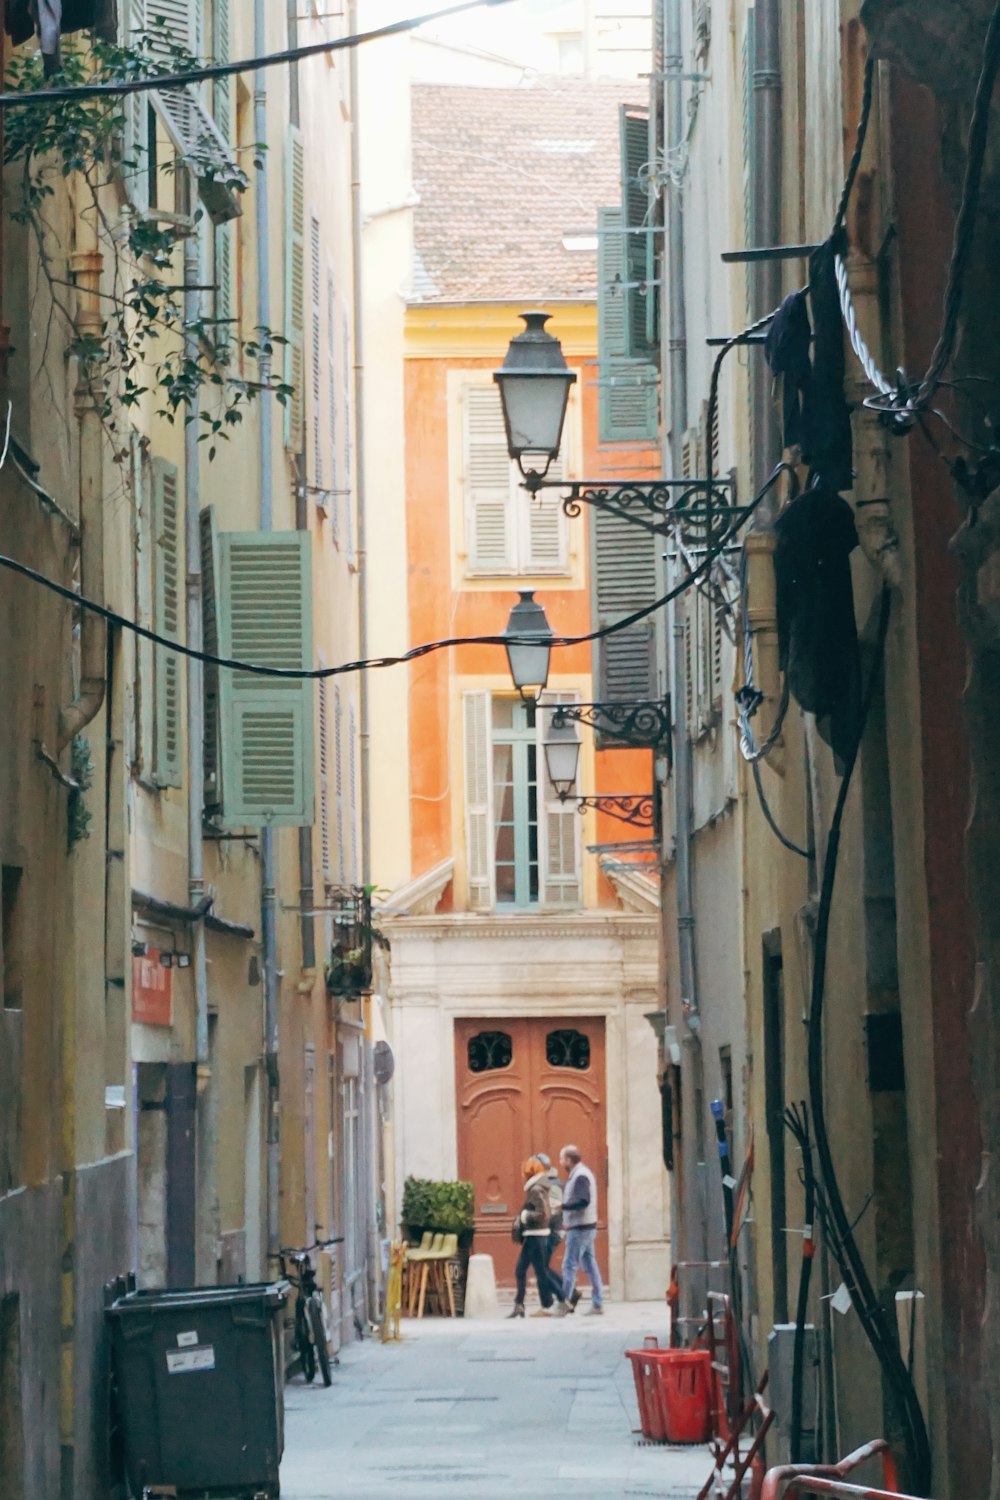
x: 639, y: 812
x: 644, y: 724
x: 699, y: 506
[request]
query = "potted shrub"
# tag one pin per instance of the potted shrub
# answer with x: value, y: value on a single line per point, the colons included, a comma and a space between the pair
x: 442, y: 1208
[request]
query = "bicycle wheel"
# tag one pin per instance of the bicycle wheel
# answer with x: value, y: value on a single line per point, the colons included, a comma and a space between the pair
x: 307, y: 1355
x: 318, y: 1327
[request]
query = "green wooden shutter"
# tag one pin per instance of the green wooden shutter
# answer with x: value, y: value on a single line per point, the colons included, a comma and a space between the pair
x: 338, y: 742
x: 628, y: 389
x: 623, y: 579
x: 168, y: 605
x: 135, y: 108
x: 315, y: 415
x: 324, y: 776
x: 487, y: 482
x: 640, y: 257
x: 295, y: 286
x: 266, y: 618
x: 210, y: 636
x: 476, y: 711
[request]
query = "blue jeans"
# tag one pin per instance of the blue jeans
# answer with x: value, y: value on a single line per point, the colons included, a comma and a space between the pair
x: 580, y: 1252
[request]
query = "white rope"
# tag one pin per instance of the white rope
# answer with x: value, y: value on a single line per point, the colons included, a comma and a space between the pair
x: 849, y: 313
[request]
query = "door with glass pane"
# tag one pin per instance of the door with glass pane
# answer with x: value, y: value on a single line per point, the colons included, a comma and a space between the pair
x: 525, y: 1085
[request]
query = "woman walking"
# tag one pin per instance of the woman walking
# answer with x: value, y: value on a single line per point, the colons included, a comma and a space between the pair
x: 535, y: 1222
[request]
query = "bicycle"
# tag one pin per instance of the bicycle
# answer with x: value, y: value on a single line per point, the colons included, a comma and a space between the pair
x: 310, y: 1338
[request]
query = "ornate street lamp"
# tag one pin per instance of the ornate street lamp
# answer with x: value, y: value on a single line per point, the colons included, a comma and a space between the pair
x: 534, y: 383
x: 528, y: 641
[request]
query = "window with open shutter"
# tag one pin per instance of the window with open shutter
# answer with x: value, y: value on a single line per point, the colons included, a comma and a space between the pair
x: 210, y: 678
x: 338, y: 805
x: 623, y: 579
x: 628, y: 406
x: 225, y: 246
x: 352, y: 765
x: 507, y: 532
x: 640, y: 252
x: 332, y: 396
x: 560, y: 825
x: 136, y: 162
x: 325, y: 851
x: 266, y: 618
x: 476, y: 708
x: 168, y: 605
x: 295, y: 286
x: 315, y: 350
x: 194, y: 133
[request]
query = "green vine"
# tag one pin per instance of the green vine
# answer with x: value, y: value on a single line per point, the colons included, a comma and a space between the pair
x: 79, y: 816
x: 144, y: 345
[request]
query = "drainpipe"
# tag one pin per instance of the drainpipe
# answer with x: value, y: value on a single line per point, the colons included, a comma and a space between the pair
x: 268, y: 903
x: 207, y: 1138
x: 87, y: 264
x: 766, y: 230
x: 370, y: 1120
x: 307, y: 894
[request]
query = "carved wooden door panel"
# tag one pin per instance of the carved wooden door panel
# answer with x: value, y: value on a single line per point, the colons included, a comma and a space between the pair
x: 523, y: 1086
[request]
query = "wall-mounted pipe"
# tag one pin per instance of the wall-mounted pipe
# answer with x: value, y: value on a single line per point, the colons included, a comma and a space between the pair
x: 765, y: 229
x: 268, y: 860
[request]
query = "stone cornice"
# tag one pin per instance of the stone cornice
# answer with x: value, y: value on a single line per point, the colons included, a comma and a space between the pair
x: 418, y: 897
x: 637, y: 892
x: 521, y: 928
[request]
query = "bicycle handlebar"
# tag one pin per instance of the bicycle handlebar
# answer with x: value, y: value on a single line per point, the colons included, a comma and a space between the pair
x: 307, y: 1249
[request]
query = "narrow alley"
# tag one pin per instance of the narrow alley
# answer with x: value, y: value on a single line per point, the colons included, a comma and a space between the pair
x: 489, y: 1409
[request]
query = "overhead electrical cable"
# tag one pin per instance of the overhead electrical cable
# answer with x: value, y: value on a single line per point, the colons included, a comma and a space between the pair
x: 104, y: 612
x: 20, y: 99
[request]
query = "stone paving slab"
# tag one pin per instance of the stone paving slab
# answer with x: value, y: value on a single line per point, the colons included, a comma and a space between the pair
x: 484, y: 1411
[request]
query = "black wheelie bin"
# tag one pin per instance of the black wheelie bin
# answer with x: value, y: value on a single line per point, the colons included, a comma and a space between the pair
x: 199, y: 1382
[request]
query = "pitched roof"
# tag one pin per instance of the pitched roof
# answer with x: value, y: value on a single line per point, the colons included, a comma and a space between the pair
x: 503, y: 176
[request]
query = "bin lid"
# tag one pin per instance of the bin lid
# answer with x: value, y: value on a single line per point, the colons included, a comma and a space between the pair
x: 272, y: 1294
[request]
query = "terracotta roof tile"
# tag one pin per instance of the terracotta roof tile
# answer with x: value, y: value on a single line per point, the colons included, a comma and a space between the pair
x: 503, y: 175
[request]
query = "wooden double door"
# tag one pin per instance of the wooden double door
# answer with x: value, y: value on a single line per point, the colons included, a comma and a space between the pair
x: 527, y: 1085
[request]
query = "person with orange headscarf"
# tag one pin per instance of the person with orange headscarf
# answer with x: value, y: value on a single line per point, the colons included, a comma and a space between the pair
x: 535, y: 1221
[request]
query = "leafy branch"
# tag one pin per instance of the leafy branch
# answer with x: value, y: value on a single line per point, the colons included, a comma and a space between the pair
x: 145, y: 346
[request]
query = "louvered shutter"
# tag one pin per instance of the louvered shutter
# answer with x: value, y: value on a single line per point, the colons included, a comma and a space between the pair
x: 640, y: 294
x: 331, y: 400
x: 135, y: 108
x: 168, y: 605
x: 476, y: 710
x: 487, y: 482
x: 192, y: 130
x: 210, y: 638
x: 623, y: 579
x: 326, y: 867
x: 628, y: 389
x: 352, y: 766
x: 543, y: 521
x: 338, y: 743
x: 222, y: 104
x: 265, y: 587
x: 315, y: 351
x: 559, y: 825
x: 295, y: 286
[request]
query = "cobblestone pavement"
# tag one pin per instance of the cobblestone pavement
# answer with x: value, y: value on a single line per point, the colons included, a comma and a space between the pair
x: 486, y: 1411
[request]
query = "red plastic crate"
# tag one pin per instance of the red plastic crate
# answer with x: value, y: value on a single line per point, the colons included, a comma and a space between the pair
x: 674, y: 1390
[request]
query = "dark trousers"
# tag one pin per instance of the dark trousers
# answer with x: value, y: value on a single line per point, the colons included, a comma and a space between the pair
x: 555, y: 1277
x: 535, y: 1253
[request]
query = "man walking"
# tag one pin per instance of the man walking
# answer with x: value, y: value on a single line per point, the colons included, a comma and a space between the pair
x: 580, y: 1225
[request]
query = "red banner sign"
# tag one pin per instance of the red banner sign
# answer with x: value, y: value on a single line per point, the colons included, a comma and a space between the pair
x: 152, y: 990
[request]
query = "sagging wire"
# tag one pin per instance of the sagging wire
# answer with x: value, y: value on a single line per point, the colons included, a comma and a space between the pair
x: 797, y: 1121
x: 14, y: 99
x: 870, y: 1311
x: 315, y: 674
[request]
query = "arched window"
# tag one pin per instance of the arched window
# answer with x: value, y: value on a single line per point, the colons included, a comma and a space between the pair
x: 567, y: 1049
x: 489, y: 1050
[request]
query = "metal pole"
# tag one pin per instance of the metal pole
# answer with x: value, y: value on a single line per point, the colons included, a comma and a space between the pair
x: 765, y: 230
x: 269, y: 923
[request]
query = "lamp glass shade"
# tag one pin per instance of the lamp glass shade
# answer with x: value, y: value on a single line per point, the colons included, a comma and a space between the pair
x: 528, y: 640
x: 534, y: 383
x: 562, y: 757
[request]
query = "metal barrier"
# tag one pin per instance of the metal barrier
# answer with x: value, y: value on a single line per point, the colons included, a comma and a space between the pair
x: 828, y: 1479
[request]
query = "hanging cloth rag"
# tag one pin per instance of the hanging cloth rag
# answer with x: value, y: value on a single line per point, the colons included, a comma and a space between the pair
x: 786, y: 349
x: 817, y: 633
x: 52, y: 19
x: 826, y: 417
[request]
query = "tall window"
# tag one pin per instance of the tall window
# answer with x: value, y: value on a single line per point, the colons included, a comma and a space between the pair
x: 506, y: 532
x: 523, y: 843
